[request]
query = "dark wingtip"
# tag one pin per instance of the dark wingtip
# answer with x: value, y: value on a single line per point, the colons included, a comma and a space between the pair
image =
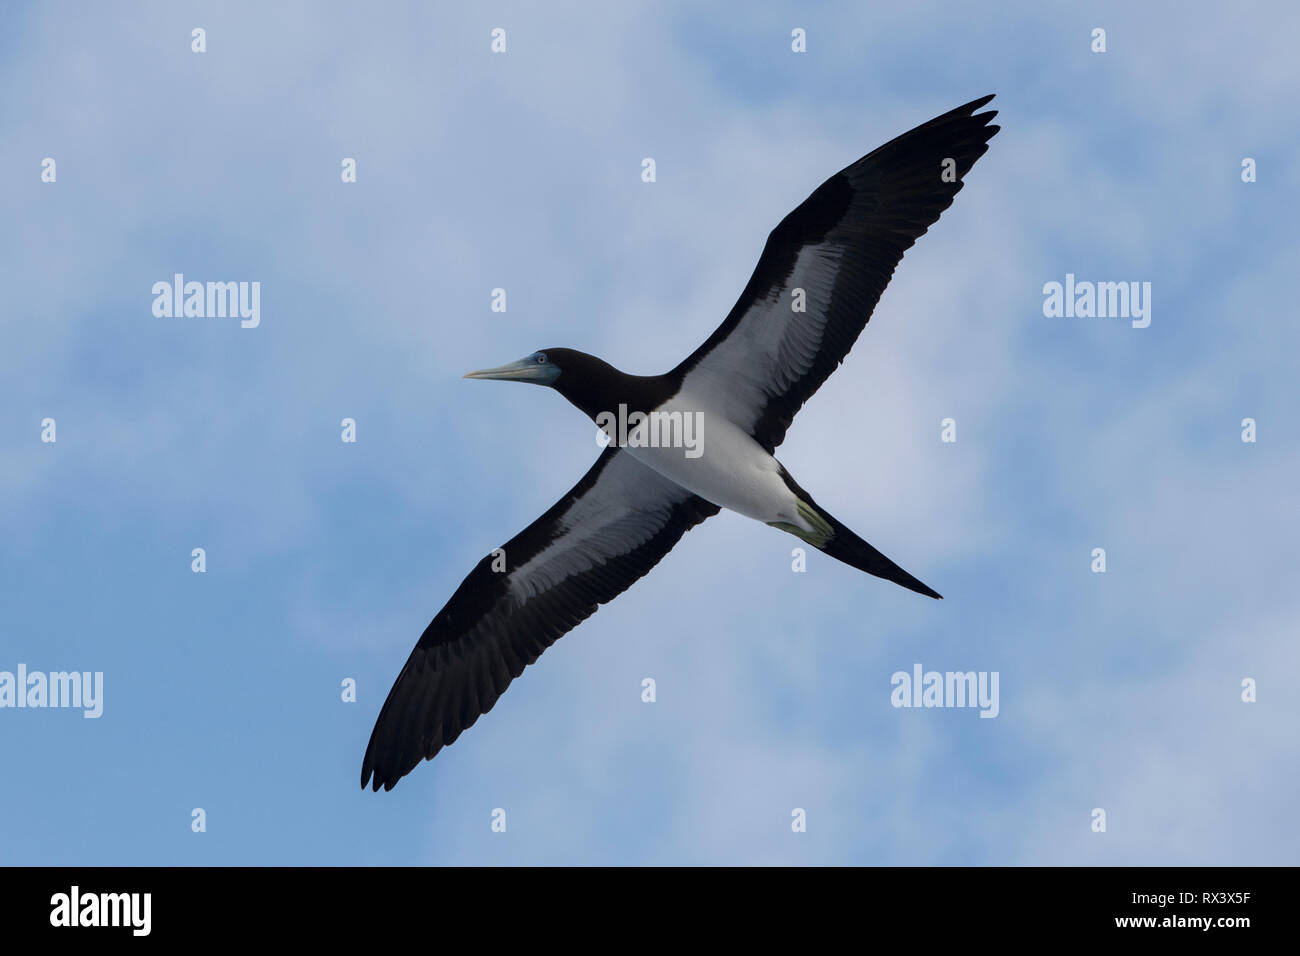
x: 385, y: 771
x: 377, y: 782
x: 369, y: 770
x: 379, y: 779
x: 967, y: 109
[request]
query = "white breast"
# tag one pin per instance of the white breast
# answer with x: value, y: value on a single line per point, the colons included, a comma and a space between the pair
x: 731, y: 470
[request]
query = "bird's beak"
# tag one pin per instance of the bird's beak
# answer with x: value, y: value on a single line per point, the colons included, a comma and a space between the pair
x: 525, y: 370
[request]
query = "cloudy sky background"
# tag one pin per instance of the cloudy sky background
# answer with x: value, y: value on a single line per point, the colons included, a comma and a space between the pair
x: 522, y: 170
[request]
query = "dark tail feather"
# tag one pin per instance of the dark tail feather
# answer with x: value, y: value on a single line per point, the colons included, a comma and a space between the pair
x: 846, y: 546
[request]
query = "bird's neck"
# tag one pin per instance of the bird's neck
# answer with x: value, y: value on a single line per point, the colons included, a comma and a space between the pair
x: 602, y: 388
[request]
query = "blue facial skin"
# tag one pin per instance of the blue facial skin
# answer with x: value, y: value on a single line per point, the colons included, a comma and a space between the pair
x: 535, y: 368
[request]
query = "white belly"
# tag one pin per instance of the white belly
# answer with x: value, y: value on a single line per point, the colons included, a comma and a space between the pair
x: 731, y: 469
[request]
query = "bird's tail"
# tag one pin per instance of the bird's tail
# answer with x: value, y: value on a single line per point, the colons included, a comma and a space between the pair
x: 833, y: 538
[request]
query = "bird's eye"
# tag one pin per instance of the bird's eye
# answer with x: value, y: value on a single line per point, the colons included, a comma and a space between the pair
x: 541, y: 358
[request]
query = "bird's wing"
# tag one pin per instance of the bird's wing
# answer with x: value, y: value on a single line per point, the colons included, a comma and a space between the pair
x: 840, y: 246
x: 609, y: 530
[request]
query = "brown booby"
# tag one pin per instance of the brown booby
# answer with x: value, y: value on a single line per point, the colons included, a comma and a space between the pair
x: 834, y: 255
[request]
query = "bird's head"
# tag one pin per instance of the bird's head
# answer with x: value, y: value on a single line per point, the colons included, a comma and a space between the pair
x: 540, y: 368
x: 586, y: 381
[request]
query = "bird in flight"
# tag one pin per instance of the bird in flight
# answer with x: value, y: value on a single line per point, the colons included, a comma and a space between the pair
x: 833, y: 255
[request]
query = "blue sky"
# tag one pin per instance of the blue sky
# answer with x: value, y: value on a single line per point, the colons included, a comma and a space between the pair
x: 521, y: 170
